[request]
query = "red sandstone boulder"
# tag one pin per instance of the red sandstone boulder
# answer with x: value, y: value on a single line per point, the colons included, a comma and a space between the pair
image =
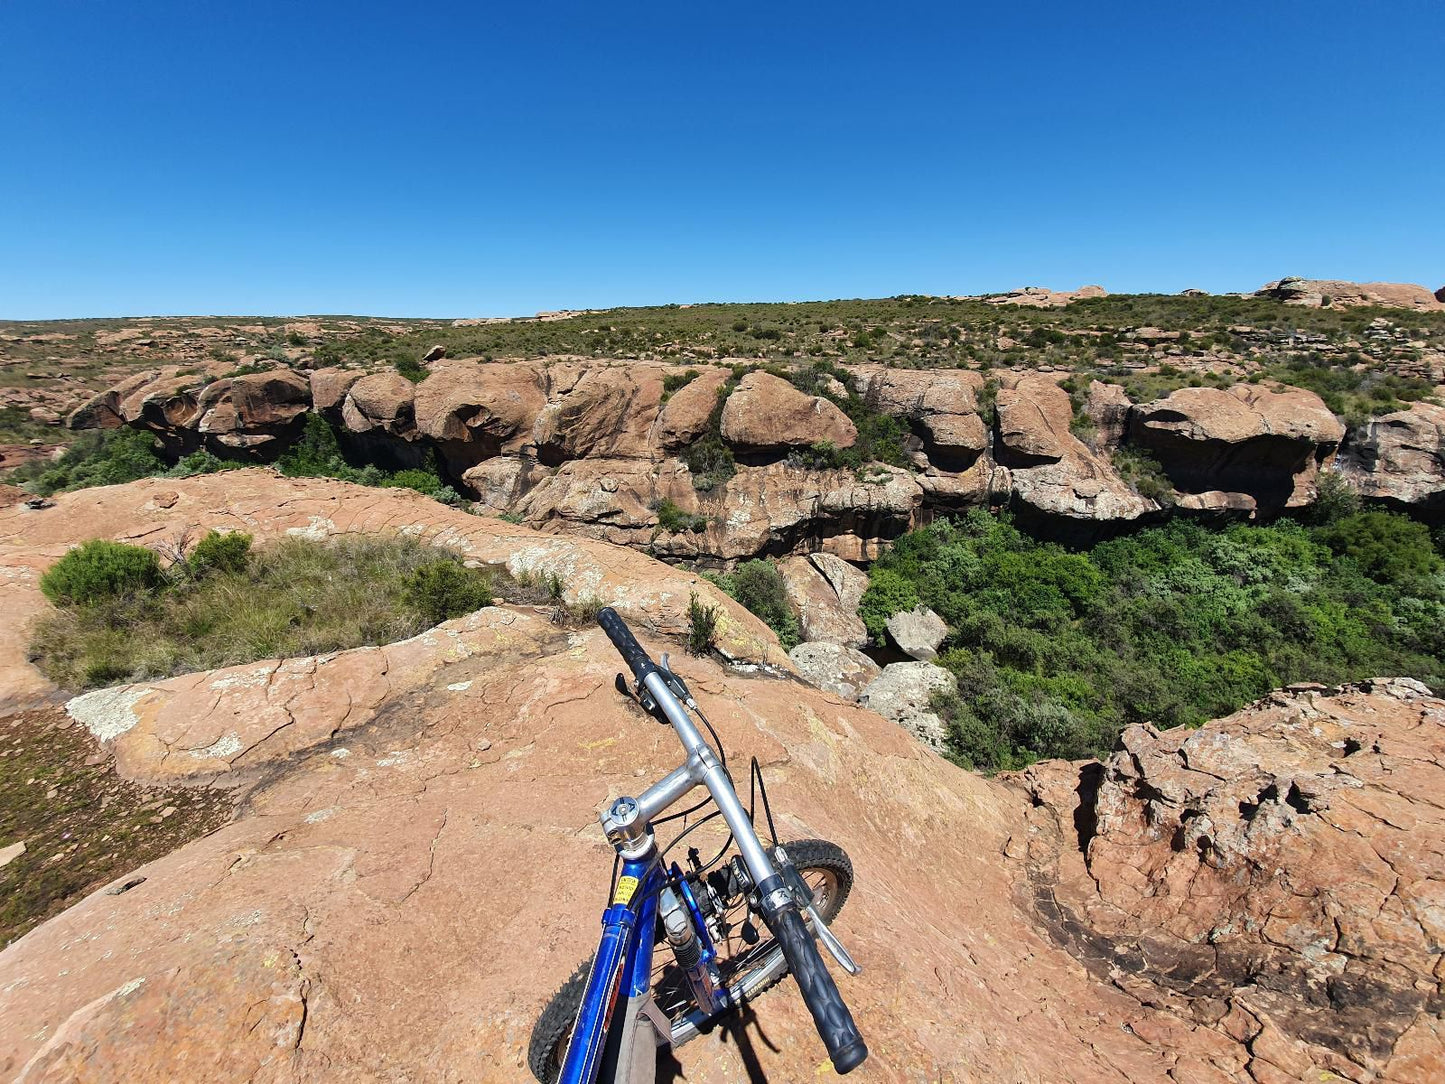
x: 684, y: 417
x: 1049, y: 472
x: 257, y: 412
x: 824, y: 591
x: 767, y: 414
x: 1316, y: 293
x: 1400, y: 458
x: 329, y: 388
x: 1249, y: 439
x: 380, y: 402
x: 489, y: 407
x: 942, y: 404
x: 597, y: 411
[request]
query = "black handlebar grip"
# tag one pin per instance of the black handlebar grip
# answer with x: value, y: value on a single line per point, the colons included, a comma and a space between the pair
x: 625, y: 643
x: 831, y: 1017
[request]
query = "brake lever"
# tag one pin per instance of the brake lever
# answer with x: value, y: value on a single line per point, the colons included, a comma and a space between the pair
x: 675, y: 683
x: 832, y: 944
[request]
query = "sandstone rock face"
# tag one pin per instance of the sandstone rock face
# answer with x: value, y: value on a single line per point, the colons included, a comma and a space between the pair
x: 383, y: 402
x: 1108, y: 407
x: 902, y: 693
x: 595, y: 411
x: 1279, y: 874
x: 943, y: 406
x: 767, y: 414
x: 684, y: 417
x: 1268, y: 444
x: 917, y: 632
x: 1400, y: 458
x: 562, y: 428
x: 329, y: 388
x: 1050, y: 472
x: 1315, y: 292
x: 834, y: 668
x: 1040, y: 297
x: 824, y: 591
x: 478, y: 411
x: 255, y: 412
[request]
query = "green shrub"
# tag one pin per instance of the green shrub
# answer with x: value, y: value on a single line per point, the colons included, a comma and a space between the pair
x: 758, y: 585
x: 673, y: 519
x: 293, y: 597
x: 97, y: 458
x: 710, y: 461
x: 672, y: 382
x: 201, y: 462
x: 100, y: 570
x: 888, y: 593
x: 218, y: 552
x: 701, y: 625
x: 1387, y: 547
x: 1144, y: 474
x: 447, y: 588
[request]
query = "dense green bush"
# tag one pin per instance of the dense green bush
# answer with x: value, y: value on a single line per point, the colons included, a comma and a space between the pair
x: 102, y: 457
x: 220, y: 552
x: 317, y: 454
x: 758, y: 585
x: 100, y: 570
x: 1056, y: 651
x: 446, y: 588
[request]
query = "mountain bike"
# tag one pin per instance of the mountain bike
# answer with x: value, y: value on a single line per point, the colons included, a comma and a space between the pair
x: 609, y: 1018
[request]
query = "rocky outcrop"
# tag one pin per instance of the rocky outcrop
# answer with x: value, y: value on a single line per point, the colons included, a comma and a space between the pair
x: 382, y: 403
x: 917, y: 632
x: 834, y: 668
x: 766, y: 414
x: 685, y: 416
x: 902, y: 694
x: 1317, y: 293
x: 1400, y: 459
x: 255, y: 413
x: 596, y: 447
x: 1051, y: 474
x: 824, y: 590
x: 1278, y: 875
x: 1267, y: 444
x: 1041, y: 297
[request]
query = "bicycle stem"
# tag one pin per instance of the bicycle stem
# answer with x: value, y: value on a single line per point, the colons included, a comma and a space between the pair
x: 702, y: 768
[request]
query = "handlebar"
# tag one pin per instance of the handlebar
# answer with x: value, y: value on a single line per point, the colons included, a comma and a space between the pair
x: 820, y: 993
x: 626, y: 644
x: 779, y: 909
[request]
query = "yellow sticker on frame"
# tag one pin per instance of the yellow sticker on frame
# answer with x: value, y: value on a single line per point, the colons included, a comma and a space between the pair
x: 626, y: 886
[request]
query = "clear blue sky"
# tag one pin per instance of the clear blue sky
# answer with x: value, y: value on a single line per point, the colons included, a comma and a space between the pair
x: 460, y: 159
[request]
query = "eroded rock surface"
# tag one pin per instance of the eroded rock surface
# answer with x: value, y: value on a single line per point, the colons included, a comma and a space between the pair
x: 538, y: 440
x: 1278, y: 875
x: 1317, y: 293
x: 1400, y: 458
x: 824, y: 591
x: 1248, y: 439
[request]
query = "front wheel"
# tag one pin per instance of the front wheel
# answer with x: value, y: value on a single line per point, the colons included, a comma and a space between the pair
x: 747, y: 970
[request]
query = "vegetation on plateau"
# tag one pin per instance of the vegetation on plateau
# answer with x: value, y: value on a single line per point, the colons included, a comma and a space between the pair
x: 1056, y: 651
x: 121, y: 616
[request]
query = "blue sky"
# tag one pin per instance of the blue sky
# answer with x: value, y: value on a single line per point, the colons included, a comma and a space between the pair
x: 470, y: 159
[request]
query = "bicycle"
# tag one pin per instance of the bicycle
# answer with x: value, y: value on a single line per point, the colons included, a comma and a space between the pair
x: 581, y: 1036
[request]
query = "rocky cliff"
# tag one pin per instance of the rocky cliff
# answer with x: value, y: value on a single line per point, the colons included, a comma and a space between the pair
x: 414, y: 861
x: 597, y: 448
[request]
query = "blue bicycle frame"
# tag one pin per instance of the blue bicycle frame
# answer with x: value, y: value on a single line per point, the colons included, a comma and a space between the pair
x: 621, y: 976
